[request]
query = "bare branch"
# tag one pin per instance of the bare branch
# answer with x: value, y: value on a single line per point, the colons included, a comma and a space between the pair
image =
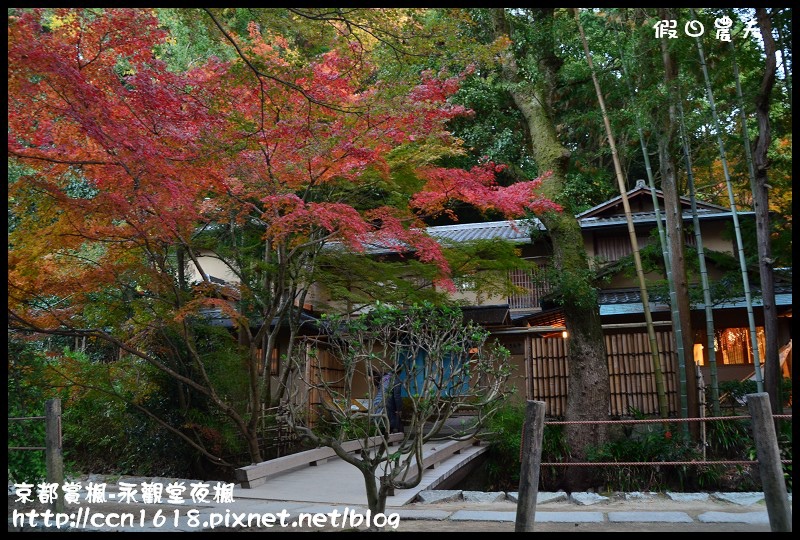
x: 259, y: 74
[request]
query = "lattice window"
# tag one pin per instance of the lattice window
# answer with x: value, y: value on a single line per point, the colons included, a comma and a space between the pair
x: 534, y: 283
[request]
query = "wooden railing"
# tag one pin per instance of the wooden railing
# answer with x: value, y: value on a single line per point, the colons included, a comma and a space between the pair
x: 257, y: 474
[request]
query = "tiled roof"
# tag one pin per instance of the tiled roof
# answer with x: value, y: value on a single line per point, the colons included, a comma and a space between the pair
x: 623, y: 301
x: 626, y: 309
x: 519, y: 230
x: 781, y: 299
x: 510, y: 230
x: 643, y: 190
x: 632, y: 296
x: 619, y: 296
x: 650, y: 217
x: 514, y: 231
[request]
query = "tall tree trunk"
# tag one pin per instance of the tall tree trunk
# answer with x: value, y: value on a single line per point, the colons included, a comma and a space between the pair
x: 663, y: 407
x: 772, y: 369
x: 589, y: 393
x: 710, y: 352
x: 675, y: 239
x: 739, y: 243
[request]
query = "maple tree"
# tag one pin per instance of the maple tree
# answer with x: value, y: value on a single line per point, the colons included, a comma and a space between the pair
x: 131, y: 173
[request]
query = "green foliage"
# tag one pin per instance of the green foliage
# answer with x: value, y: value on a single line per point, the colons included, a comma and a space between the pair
x: 583, y: 190
x: 733, y: 393
x: 504, y: 433
x: 104, y: 434
x: 355, y: 281
x: 730, y: 439
x: 483, y: 267
x: 637, y: 443
x: 192, y: 40
x: 26, y: 466
x: 93, y: 438
x: 649, y: 443
x: 733, y: 440
x: 496, y: 129
x: 573, y: 287
x: 223, y: 363
x: 785, y: 440
x: 104, y: 428
x: 25, y: 399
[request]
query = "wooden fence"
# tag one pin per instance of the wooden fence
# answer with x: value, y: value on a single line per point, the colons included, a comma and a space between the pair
x: 326, y: 374
x: 630, y: 371
x: 54, y: 458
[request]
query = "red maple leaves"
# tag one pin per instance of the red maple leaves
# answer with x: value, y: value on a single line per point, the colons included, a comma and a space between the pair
x: 160, y: 153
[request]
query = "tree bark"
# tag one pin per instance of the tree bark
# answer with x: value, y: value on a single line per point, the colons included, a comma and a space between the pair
x: 375, y: 502
x: 772, y: 369
x: 589, y: 393
x: 675, y: 235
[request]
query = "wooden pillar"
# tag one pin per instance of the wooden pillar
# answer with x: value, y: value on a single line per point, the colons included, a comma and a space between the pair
x: 532, y: 432
x: 54, y: 459
x: 769, y: 463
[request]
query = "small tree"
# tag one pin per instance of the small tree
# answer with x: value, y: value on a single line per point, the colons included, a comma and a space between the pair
x: 443, y: 365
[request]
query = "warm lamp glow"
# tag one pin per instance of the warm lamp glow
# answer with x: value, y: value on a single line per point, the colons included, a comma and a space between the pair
x: 564, y: 334
x: 699, y: 359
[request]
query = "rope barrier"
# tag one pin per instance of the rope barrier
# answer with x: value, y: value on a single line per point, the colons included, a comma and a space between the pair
x: 649, y: 463
x: 657, y: 420
x: 656, y: 463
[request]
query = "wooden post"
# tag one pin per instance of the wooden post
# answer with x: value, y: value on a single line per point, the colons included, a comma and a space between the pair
x: 54, y: 458
x: 769, y: 463
x: 532, y: 432
x: 528, y: 367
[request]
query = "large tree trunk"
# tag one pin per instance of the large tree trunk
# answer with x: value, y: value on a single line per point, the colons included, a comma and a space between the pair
x: 772, y: 369
x: 675, y: 236
x: 589, y: 394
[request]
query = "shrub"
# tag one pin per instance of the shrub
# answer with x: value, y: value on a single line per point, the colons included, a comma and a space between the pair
x: 651, y: 443
x: 638, y: 443
x: 504, y: 434
x: 26, y: 398
x: 785, y: 444
x: 732, y: 394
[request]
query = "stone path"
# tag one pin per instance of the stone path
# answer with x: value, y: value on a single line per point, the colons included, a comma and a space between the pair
x: 560, y: 507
